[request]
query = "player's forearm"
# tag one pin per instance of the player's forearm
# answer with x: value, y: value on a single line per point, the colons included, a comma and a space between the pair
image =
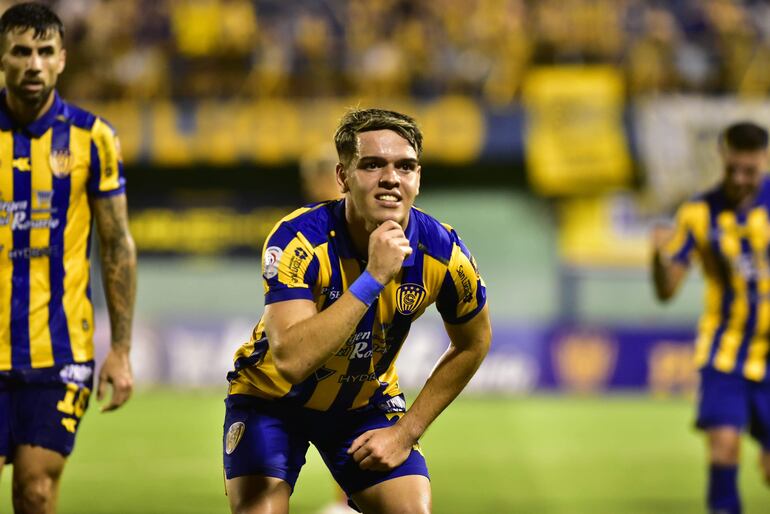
x: 450, y: 376
x: 303, y: 347
x: 663, y: 277
x: 118, y: 258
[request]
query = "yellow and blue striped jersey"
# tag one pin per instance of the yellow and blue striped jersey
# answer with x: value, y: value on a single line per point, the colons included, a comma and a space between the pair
x: 309, y: 255
x: 48, y: 171
x: 733, y: 249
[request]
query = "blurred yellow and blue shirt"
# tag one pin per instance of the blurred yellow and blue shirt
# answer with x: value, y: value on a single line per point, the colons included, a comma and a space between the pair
x: 733, y: 249
x: 48, y: 171
x: 309, y: 255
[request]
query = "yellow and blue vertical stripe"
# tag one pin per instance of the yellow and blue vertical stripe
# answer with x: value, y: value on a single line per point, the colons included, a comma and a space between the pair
x: 310, y: 256
x: 733, y: 248
x: 48, y: 171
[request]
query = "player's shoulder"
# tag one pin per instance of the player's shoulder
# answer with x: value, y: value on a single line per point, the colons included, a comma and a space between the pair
x: 436, y: 239
x: 82, y: 118
x: 313, y: 221
x: 706, y: 199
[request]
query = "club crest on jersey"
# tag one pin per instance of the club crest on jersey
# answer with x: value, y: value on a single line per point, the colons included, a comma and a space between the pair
x: 234, y: 435
x: 409, y: 297
x: 61, y: 163
x: 272, y: 258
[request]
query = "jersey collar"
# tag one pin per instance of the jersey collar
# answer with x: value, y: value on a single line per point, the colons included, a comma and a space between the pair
x: 38, y: 127
x: 345, y: 244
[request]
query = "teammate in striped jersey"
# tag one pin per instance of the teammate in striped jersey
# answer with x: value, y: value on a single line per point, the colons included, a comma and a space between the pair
x: 344, y: 280
x: 60, y: 167
x: 728, y: 229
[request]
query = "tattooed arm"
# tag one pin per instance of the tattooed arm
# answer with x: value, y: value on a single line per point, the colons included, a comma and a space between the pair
x: 118, y: 258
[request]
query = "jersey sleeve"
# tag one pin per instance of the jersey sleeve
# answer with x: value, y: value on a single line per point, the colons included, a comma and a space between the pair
x: 463, y: 293
x: 680, y: 247
x: 106, y: 176
x: 289, y: 266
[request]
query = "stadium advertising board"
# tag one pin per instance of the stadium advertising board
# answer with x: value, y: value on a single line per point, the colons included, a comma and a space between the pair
x: 198, y: 353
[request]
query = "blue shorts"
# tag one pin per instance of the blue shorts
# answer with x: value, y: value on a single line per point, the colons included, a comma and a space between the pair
x: 263, y: 437
x: 43, y: 407
x: 731, y: 400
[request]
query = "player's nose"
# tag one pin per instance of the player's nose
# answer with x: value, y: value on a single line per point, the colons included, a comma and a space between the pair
x: 389, y: 175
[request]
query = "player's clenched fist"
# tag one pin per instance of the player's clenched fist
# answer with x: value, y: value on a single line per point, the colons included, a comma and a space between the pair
x: 388, y: 247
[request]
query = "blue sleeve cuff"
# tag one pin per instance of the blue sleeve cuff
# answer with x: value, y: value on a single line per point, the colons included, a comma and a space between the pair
x: 288, y: 293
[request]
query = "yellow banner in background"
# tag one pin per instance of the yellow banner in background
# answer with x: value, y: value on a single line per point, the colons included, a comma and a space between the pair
x: 603, y: 231
x: 273, y: 132
x: 575, y: 142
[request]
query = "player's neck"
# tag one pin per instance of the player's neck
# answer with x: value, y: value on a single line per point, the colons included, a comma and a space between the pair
x: 25, y: 113
x: 359, y: 235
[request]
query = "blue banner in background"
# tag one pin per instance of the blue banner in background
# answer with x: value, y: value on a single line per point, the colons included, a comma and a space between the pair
x: 558, y: 358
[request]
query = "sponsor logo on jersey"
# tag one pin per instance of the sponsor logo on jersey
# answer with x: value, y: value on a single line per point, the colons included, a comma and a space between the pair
x: 234, y: 436
x: 78, y: 373
x: 272, y: 258
x: 43, y: 200
x: 322, y: 373
x: 409, y: 297
x: 364, y: 377
x: 22, y: 164
x: 466, y: 282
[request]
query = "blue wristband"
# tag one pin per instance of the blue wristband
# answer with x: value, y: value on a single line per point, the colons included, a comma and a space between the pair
x: 366, y: 288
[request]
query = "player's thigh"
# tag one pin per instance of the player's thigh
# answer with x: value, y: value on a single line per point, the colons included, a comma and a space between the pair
x: 255, y: 494
x: 409, y: 494
x: 723, y: 400
x: 36, y: 475
x: 759, y: 424
x: 341, y: 429
x: 263, y: 452
x: 48, y: 414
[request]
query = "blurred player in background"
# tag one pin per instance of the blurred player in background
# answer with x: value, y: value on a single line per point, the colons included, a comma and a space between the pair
x: 729, y: 231
x: 319, y: 183
x: 318, y: 178
x: 59, y: 166
x: 344, y: 280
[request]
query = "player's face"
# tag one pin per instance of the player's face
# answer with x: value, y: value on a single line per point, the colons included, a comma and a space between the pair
x: 744, y: 171
x: 31, y: 64
x: 382, y: 183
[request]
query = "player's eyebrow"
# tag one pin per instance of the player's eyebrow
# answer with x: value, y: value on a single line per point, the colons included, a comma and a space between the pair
x: 411, y: 161
x: 20, y: 47
x: 382, y: 160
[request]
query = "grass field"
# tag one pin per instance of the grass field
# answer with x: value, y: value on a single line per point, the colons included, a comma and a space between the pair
x: 536, y: 455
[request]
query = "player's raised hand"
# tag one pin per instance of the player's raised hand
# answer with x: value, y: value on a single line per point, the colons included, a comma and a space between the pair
x: 661, y: 235
x: 381, y: 449
x: 388, y: 247
x: 115, y: 371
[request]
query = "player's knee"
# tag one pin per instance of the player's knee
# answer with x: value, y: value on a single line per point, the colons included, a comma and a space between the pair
x: 412, y: 506
x: 725, y: 456
x: 255, y: 495
x: 419, y: 508
x: 34, y: 495
x: 724, y: 448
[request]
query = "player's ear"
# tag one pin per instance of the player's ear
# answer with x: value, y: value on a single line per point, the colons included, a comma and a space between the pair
x: 62, y: 61
x: 342, y: 178
x: 419, y: 175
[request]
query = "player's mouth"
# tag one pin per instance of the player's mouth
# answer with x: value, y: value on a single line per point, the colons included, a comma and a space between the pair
x: 32, y: 85
x: 388, y: 199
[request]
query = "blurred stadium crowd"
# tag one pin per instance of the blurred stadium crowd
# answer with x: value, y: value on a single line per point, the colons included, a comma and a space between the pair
x: 142, y: 49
